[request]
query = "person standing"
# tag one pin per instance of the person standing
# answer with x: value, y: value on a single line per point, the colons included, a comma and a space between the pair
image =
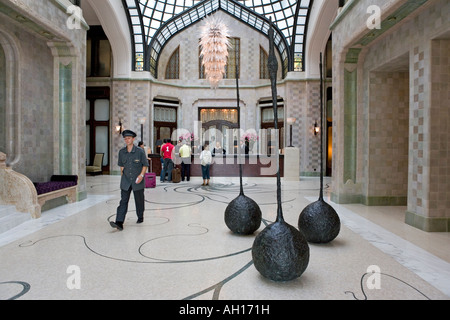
x: 185, y: 155
x: 218, y: 150
x: 167, y: 153
x: 206, y: 159
x: 133, y: 164
x: 147, y: 151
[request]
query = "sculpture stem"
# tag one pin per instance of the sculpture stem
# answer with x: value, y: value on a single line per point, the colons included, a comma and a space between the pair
x: 321, y: 129
x: 273, y: 68
x: 239, y: 113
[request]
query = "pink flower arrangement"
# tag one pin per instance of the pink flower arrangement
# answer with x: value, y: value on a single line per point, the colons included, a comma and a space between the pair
x: 250, y: 137
x: 188, y: 137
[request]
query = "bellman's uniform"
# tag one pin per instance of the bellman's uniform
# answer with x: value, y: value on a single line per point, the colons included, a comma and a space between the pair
x: 132, y: 163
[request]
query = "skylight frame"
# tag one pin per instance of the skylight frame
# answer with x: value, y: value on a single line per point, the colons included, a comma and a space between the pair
x: 164, y: 18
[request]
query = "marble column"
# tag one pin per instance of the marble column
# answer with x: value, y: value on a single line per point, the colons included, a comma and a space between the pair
x: 428, y: 186
x: 347, y: 189
x: 291, y: 164
x: 69, y: 110
x: 65, y: 118
x: 350, y: 115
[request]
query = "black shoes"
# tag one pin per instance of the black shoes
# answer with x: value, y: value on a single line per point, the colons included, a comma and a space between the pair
x: 117, y: 225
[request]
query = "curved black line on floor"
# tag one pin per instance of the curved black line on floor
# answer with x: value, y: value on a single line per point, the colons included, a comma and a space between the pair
x: 158, y: 261
x: 387, y: 275
x: 26, y: 287
x: 191, y: 260
x: 146, y: 219
x: 218, y: 286
x: 235, y: 190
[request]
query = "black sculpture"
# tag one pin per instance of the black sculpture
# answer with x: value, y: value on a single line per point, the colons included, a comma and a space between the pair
x: 280, y: 252
x: 242, y: 215
x: 319, y: 222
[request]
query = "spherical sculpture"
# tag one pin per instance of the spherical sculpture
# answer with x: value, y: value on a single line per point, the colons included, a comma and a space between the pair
x: 319, y: 222
x: 243, y: 215
x: 280, y: 252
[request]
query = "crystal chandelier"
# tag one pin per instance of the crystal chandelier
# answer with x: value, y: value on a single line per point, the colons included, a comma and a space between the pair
x: 214, y: 45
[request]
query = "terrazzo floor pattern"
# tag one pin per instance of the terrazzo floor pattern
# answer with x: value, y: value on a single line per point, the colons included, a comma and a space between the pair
x: 184, y: 250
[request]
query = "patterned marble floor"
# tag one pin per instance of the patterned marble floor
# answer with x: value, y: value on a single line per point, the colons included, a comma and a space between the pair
x: 184, y: 250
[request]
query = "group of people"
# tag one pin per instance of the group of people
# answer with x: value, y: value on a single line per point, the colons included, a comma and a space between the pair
x: 133, y: 163
x: 168, y: 153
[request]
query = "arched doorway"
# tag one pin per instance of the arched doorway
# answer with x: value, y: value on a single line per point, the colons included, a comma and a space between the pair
x: 220, y: 125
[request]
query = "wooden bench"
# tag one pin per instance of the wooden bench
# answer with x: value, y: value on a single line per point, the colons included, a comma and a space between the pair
x: 58, y: 186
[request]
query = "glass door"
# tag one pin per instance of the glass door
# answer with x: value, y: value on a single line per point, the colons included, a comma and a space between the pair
x: 220, y: 128
x: 165, y: 123
x: 97, y: 125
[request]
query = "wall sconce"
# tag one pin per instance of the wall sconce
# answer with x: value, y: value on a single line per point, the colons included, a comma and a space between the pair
x: 316, y: 128
x: 119, y: 127
x: 290, y: 122
x: 142, y: 121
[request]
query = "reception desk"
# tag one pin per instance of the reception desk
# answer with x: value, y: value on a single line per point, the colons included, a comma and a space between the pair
x: 253, y: 166
x: 154, y: 163
x: 228, y: 165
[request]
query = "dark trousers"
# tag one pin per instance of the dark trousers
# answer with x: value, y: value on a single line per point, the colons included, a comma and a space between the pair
x: 205, y: 172
x: 186, y: 171
x: 168, y: 167
x: 123, y: 206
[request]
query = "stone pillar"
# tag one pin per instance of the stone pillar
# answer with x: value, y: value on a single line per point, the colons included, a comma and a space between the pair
x: 350, y: 115
x: 429, y: 183
x: 291, y: 164
x: 69, y: 112
x: 65, y: 118
x: 346, y: 187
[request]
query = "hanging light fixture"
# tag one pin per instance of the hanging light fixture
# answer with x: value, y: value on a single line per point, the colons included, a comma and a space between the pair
x: 214, y: 45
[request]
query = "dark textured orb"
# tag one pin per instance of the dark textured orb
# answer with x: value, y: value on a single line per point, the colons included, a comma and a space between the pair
x: 243, y: 215
x: 280, y: 252
x: 319, y: 222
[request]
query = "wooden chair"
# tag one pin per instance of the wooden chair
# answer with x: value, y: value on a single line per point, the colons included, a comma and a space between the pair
x: 96, y: 167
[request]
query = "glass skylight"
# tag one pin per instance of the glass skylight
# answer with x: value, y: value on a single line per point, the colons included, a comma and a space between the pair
x: 154, y: 22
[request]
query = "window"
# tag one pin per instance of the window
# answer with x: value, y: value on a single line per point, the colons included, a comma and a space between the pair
x: 98, y: 56
x: 98, y: 124
x: 298, y: 63
x: 233, y: 59
x: 139, y: 62
x: 154, y: 22
x: 173, y: 66
x: 263, y: 64
x: 220, y: 125
x: 267, y: 125
x: 164, y: 121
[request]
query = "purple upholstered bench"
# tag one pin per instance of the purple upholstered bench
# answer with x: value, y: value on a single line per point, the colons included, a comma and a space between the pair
x: 58, y: 186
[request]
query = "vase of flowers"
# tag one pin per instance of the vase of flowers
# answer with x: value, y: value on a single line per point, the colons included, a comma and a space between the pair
x: 249, y: 139
x: 189, y: 138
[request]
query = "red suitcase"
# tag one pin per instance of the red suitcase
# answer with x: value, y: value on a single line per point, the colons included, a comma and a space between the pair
x: 150, y: 180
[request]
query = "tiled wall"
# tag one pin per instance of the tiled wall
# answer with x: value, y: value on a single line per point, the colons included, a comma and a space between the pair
x: 40, y: 40
x: 407, y: 51
x: 130, y: 102
x: 418, y: 169
x: 2, y: 100
x: 388, y: 133
x: 439, y: 199
x: 34, y: 108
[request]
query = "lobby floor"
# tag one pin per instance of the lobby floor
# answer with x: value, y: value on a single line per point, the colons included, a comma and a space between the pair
x: 184, y: 250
